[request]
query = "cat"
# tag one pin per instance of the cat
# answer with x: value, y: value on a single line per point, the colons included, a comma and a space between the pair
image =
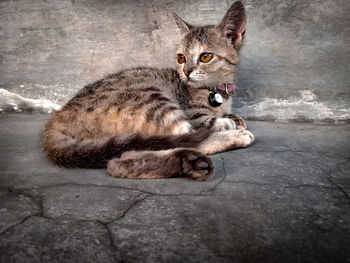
x: 158, y: 123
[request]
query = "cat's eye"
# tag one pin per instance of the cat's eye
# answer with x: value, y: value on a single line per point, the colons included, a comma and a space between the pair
x: 206, y: 57
x: 180, y: 58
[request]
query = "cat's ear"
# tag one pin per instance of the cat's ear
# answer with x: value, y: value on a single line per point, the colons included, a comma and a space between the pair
x: 233, y: 24
x: 184, y: 27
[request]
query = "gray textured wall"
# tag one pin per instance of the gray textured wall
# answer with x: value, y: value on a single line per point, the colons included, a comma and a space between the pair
x: 294, y: 65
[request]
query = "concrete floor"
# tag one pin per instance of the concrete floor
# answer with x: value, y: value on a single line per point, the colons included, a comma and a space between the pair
x: 284, y: 199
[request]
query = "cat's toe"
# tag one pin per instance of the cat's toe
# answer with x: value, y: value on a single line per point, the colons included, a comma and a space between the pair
x: 247, y: 138
x: 196, y: 165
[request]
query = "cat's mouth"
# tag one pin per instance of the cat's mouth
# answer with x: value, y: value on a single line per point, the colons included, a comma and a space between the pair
x: 197, y: 76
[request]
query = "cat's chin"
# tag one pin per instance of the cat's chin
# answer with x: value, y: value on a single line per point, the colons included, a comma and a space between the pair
x: 200, y: 84
x: 195, y: 83
x: 210, y: 82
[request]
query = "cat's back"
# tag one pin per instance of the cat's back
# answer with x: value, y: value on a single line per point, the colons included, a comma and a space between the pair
x: 141, y: 79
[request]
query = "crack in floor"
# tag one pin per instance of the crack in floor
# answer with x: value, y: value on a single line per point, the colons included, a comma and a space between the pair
x: 18, y: 224
x: 138, y: 199
x: 100, y: 186
x: 328, y: 175
x: 212, y: 190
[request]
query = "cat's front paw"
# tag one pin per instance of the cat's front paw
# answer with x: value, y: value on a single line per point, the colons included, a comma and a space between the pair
x: 224, y: 124
x: 240, y: 123
x: 246, y: 138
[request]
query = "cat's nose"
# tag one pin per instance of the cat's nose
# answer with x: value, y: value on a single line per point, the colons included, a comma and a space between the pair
x: 188, y: 71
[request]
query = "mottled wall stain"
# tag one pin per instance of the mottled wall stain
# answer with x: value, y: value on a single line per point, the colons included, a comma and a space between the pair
x: 50, y: 49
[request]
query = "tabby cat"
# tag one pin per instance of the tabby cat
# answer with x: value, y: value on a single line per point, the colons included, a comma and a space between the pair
x: 158, y: 123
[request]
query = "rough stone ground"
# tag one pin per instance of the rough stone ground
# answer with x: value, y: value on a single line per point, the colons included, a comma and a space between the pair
x: 284, y: 199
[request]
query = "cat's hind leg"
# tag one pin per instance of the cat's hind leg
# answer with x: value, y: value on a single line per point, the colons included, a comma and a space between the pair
x: 162, y: 164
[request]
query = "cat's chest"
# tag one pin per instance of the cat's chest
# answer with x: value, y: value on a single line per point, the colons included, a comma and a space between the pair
x: 202, y: 97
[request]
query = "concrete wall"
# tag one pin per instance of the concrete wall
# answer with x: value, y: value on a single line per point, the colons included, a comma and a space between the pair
x: 294, y: 65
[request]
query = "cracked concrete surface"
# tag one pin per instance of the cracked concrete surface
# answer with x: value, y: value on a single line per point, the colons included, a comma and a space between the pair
x: 284, y: 199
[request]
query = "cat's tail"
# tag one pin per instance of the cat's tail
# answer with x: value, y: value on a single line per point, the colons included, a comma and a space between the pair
x: 66, y: 150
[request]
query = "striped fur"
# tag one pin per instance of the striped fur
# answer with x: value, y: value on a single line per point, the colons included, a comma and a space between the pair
x: 161, y: 116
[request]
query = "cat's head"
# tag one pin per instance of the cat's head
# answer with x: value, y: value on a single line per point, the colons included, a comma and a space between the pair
x: 208, y: 55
